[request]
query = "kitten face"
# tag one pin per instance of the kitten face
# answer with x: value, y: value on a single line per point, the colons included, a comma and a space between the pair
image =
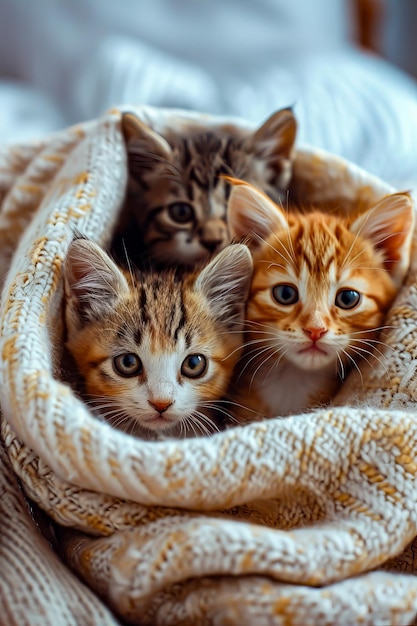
x: 322, y: 284
x: 319, y: 300
x: 177, y: 195
x: 156, y: 352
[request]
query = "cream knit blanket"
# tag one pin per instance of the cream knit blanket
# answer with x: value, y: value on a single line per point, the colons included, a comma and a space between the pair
x: 287, y: 521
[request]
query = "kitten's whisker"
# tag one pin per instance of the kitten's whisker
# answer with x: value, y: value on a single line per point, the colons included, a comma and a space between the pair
x: 252, y: 331
x: 374, y: 347
x: 197, y: 416
x: 376, y: 245
x: 342, y: 367
x: 113, y: 418
x: 290, y: 243
x: 129, y: 265
x: 267, y: 243
x: 251, y: 323
x: 188, y: 425
x: 355, y: 365
x: 207, y: 420
x: 357, y: 255
x: 376, y: 269
x: 257, y: 353
x: 360, y: 352
x: 240, y: 406
x: 372, y: 352
x: 272, y: 355
x: 111, y: 407
x: 245, y: 345
x: 199, y: 426
x: 215, y: 405
x: 277, y: 361
x: 372, y: 330
x: 290, y: 252
x: 119, y: 420
x: 272, y: 345
x: 347, y: 259
x: 260, y: 341
x: 263, y: 362
x: 194, y: 424
x: 271, y: 264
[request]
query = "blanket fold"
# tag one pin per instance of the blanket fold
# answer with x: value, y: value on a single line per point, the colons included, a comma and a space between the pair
x: 281, y: 521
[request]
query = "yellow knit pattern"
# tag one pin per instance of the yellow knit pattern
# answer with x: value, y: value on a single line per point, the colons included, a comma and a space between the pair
x: 292, y: 521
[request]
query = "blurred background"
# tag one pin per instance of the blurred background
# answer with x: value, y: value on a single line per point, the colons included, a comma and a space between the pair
x: 347, y: 66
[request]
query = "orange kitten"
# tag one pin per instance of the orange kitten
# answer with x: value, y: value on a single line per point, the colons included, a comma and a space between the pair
x: 156, y: 351
x: 321, y: 287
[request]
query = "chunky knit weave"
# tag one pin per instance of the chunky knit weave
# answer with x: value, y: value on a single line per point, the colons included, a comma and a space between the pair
x: 287, y: 521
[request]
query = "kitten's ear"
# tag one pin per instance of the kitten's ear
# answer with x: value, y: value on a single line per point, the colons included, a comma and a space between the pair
x: 225, y: 282
x: 142, y: 140
x: 274, y: 143
x: 251, y: 214
x: 92, y: 281
x: 389, y: 226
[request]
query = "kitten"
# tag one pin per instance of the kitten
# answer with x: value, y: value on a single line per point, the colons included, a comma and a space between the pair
x: 155, y: 351
x: 321, y: 287
x: 175, y: 211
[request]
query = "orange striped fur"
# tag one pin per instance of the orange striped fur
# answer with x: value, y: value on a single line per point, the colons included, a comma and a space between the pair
x: 321, y: 288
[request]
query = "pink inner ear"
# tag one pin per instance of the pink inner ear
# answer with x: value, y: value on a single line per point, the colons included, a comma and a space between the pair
x: 76, y: 267
x: 90, y: 272
x: 252, y: 214
x: 389, y: 226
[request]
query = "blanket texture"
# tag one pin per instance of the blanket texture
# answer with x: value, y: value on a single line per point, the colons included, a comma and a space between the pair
x: 304, y: 520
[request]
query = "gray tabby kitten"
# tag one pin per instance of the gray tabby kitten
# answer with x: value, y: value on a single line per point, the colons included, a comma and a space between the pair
x: 176, y: 206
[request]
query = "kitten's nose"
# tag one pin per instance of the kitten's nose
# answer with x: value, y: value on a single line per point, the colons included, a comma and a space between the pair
x: 160, y: 405
x: 212, y: 234
x: 212, y: 244
x: 315, y: 333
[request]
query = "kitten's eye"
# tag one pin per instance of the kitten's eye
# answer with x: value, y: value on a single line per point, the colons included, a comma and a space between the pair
x: 128, y: 364
x: 194, y: 366
x: 285, y: 294
x: 181, y: 212
x: 347, y: 299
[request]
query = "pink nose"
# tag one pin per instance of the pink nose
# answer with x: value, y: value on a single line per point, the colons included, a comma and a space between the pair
x: 160, y: 405
x: 315, y: 333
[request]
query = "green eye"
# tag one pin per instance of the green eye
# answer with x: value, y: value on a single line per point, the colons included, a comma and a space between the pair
x: 181, y: 212
x: 347, y: 299
x: 194, y: 366
x: 285, y: 294
x: 128, y: 364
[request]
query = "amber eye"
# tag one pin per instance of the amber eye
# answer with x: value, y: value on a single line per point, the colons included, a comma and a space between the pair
x: 181, y: 212
x: 285, y: 294
x: 194, y: 366
x: 347, y: 299
x: 128, y: 364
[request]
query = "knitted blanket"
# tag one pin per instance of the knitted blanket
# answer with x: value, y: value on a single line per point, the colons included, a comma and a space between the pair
x: 287, y: 521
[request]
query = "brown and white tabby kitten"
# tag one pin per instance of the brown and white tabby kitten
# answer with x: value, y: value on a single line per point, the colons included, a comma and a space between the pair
x: 321, y: 287
x: 155, y: 351
x: 176, y: 205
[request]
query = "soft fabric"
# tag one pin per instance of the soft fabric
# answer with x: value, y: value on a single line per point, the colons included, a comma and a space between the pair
x: 287, y: 521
